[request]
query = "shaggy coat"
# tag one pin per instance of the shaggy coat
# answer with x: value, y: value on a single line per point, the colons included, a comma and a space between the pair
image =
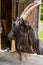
x: 24, y: 35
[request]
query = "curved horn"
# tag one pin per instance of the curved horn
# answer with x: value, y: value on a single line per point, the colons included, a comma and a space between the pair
x: 26, y: 9
x: 29, y: 8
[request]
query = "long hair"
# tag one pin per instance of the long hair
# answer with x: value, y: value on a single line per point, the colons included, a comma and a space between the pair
x: 24, y: 36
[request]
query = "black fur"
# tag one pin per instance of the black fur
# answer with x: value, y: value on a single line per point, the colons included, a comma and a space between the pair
x: 24, y: 36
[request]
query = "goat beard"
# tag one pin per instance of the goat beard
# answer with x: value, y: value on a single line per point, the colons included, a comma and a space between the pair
x: 26, y: 42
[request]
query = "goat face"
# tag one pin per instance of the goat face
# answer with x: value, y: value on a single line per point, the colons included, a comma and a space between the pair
x: 17, y: 25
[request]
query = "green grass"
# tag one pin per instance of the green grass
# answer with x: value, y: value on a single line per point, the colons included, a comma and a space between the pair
x: 41, y: 35
x: 41, y: 21
x: 41, y: 10
x: 41, y: 7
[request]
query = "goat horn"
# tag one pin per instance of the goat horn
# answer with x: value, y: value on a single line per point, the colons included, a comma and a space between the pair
x: 26, y: 9
x: 29, y: 8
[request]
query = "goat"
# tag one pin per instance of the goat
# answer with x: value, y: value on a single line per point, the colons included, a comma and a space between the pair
x: 24, y: 36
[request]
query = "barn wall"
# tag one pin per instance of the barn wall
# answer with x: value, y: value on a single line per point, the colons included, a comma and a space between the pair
x: 5, y: 22
x: 21, y: 5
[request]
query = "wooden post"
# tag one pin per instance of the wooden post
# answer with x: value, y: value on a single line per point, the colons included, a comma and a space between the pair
x: 13, y: 9
x: 13, y: 45
x: 14, y: 16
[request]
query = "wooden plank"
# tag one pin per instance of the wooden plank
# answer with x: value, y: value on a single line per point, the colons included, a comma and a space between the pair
x: 13, y: 45
x: 6, y: 26
x: 20, y: 8
x: 5, y: 9
x: 14, y: 8
x: 8, y: 58
x: 14, y: 16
